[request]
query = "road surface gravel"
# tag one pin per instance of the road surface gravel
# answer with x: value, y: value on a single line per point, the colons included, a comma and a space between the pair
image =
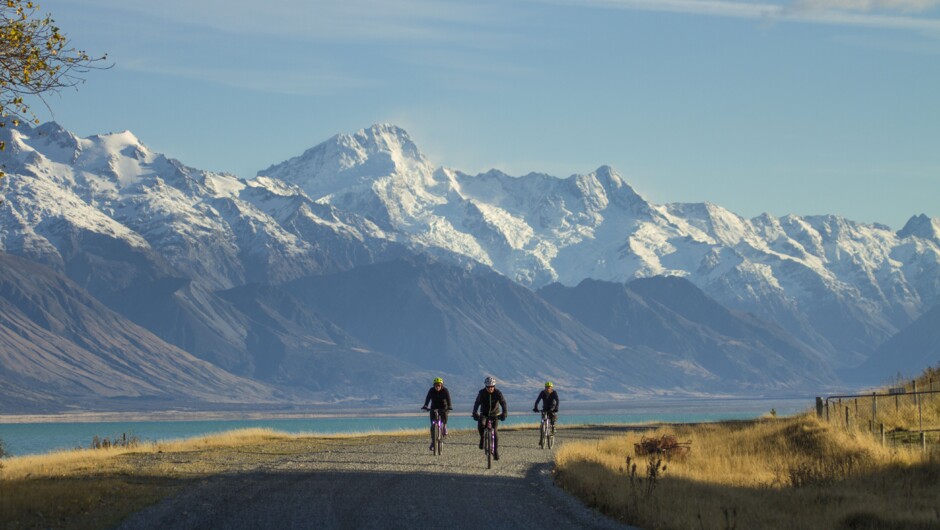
x: 387, y: 482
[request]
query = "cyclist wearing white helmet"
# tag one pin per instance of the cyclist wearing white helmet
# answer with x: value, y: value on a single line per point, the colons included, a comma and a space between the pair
x: 549, y: 399
x: 439, y: 398
x: 492, y: 404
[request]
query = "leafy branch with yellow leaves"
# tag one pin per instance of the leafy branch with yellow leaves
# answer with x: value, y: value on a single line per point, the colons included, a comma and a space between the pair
x: 36, y: 58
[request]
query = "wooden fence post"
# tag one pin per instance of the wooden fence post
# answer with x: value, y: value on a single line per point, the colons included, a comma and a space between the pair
x: 882, y: 435
x: 819, y: 407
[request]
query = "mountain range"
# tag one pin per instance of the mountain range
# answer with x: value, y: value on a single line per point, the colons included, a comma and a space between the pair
x: 360, y: 261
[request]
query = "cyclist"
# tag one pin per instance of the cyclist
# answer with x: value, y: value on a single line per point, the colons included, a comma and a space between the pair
x: 491, y: 402
x: 439, y: 399
x: 549, y: 399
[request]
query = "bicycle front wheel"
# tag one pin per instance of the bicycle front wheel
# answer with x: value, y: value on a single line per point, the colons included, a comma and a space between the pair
x: 439, y: 445
x: 488, y: 447
x: 542, y: 435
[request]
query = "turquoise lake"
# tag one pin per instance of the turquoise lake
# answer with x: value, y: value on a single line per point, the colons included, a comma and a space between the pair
x: 34, y: 438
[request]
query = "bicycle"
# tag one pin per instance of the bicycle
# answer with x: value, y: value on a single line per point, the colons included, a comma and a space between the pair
x: 546, y: 431
x: 489, y: 440
x: 437, y: 431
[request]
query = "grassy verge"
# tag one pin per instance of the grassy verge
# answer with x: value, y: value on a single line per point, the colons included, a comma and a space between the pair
x: 97, y: 488
x: 796, y: 472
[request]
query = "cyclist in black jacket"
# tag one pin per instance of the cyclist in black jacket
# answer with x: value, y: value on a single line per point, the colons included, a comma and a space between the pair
x: 549, y: 399
x: 439, y: 398
x: 491, y: 403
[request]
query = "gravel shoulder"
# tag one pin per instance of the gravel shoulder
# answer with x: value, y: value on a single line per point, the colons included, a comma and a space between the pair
x: 384, y: 482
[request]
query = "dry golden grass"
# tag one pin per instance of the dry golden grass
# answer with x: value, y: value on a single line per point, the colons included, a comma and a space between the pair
x: 797, y: 472
x: 778, y: 473
x: 899, y: 414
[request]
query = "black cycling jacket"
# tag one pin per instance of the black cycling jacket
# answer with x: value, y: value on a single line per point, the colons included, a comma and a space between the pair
x: 439, y: 399
x: 550, y: 402
x: 490, y: 404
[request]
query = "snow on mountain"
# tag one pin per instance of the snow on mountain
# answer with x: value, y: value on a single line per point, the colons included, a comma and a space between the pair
x: 74, y: 203
x: 839, y: 285
x: 218, y: 229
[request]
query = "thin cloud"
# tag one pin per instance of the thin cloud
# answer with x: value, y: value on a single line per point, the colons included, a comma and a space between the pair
x: 285, y: 82
x: 350, y: 20
x: 831, y: 12
x: 907, y: 6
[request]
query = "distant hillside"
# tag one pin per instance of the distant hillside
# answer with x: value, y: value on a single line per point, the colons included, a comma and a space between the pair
x: 470, y: 323
x: 61, y: 348
x: 671, y: 315
x: 908, y: 353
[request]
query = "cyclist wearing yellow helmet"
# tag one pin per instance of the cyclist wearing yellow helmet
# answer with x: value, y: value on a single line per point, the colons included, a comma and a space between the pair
x: 549, y: 399
x: 439, y: 399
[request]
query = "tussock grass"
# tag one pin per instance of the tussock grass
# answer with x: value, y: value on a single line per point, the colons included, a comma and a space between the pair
x: 795, y: 472
x: 755, y: 475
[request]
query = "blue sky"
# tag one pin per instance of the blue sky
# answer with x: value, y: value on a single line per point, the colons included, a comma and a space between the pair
x: 802, y: 106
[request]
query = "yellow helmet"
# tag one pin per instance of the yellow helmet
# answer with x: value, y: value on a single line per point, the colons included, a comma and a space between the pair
x: 438, y: 380
x: 548, y: 384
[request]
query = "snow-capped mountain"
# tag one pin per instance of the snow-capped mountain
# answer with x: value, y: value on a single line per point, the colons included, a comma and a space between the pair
x: 66, y: 192
x: 190, y: 255
x: 841, y: 286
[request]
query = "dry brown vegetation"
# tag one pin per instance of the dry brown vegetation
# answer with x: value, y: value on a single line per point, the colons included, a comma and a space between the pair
x: 796, y: 472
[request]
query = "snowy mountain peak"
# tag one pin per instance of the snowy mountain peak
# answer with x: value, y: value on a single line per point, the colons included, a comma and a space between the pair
x: 921, y: 226
x: 353, y: 161
x: 389, y: 138
x: 116, y: 141
x: 618, y: 190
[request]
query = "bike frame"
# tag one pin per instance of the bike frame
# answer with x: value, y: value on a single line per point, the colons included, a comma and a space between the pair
x: 437, y: 434
x: 545, y: 431
x: 489, y: 439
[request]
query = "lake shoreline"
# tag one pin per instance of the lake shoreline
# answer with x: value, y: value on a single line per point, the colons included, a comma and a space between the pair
x: 319, y: 411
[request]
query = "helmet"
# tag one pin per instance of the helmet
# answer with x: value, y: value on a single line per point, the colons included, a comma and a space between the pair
x: 548, y: 384
x: 438, y: 380
x: 489, y: 381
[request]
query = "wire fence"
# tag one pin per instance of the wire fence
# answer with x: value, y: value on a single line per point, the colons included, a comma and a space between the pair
x: 897, y: 415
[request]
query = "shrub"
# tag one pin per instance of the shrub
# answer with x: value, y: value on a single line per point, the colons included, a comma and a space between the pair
x: 123, y: 441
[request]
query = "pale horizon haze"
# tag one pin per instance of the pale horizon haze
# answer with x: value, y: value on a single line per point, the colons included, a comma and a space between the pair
x: 787, y: 107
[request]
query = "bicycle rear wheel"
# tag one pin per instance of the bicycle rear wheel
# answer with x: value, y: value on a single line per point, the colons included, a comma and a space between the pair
x: 551, y: 440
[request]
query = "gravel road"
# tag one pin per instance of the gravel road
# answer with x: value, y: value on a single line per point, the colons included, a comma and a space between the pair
x: 386, y: 482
